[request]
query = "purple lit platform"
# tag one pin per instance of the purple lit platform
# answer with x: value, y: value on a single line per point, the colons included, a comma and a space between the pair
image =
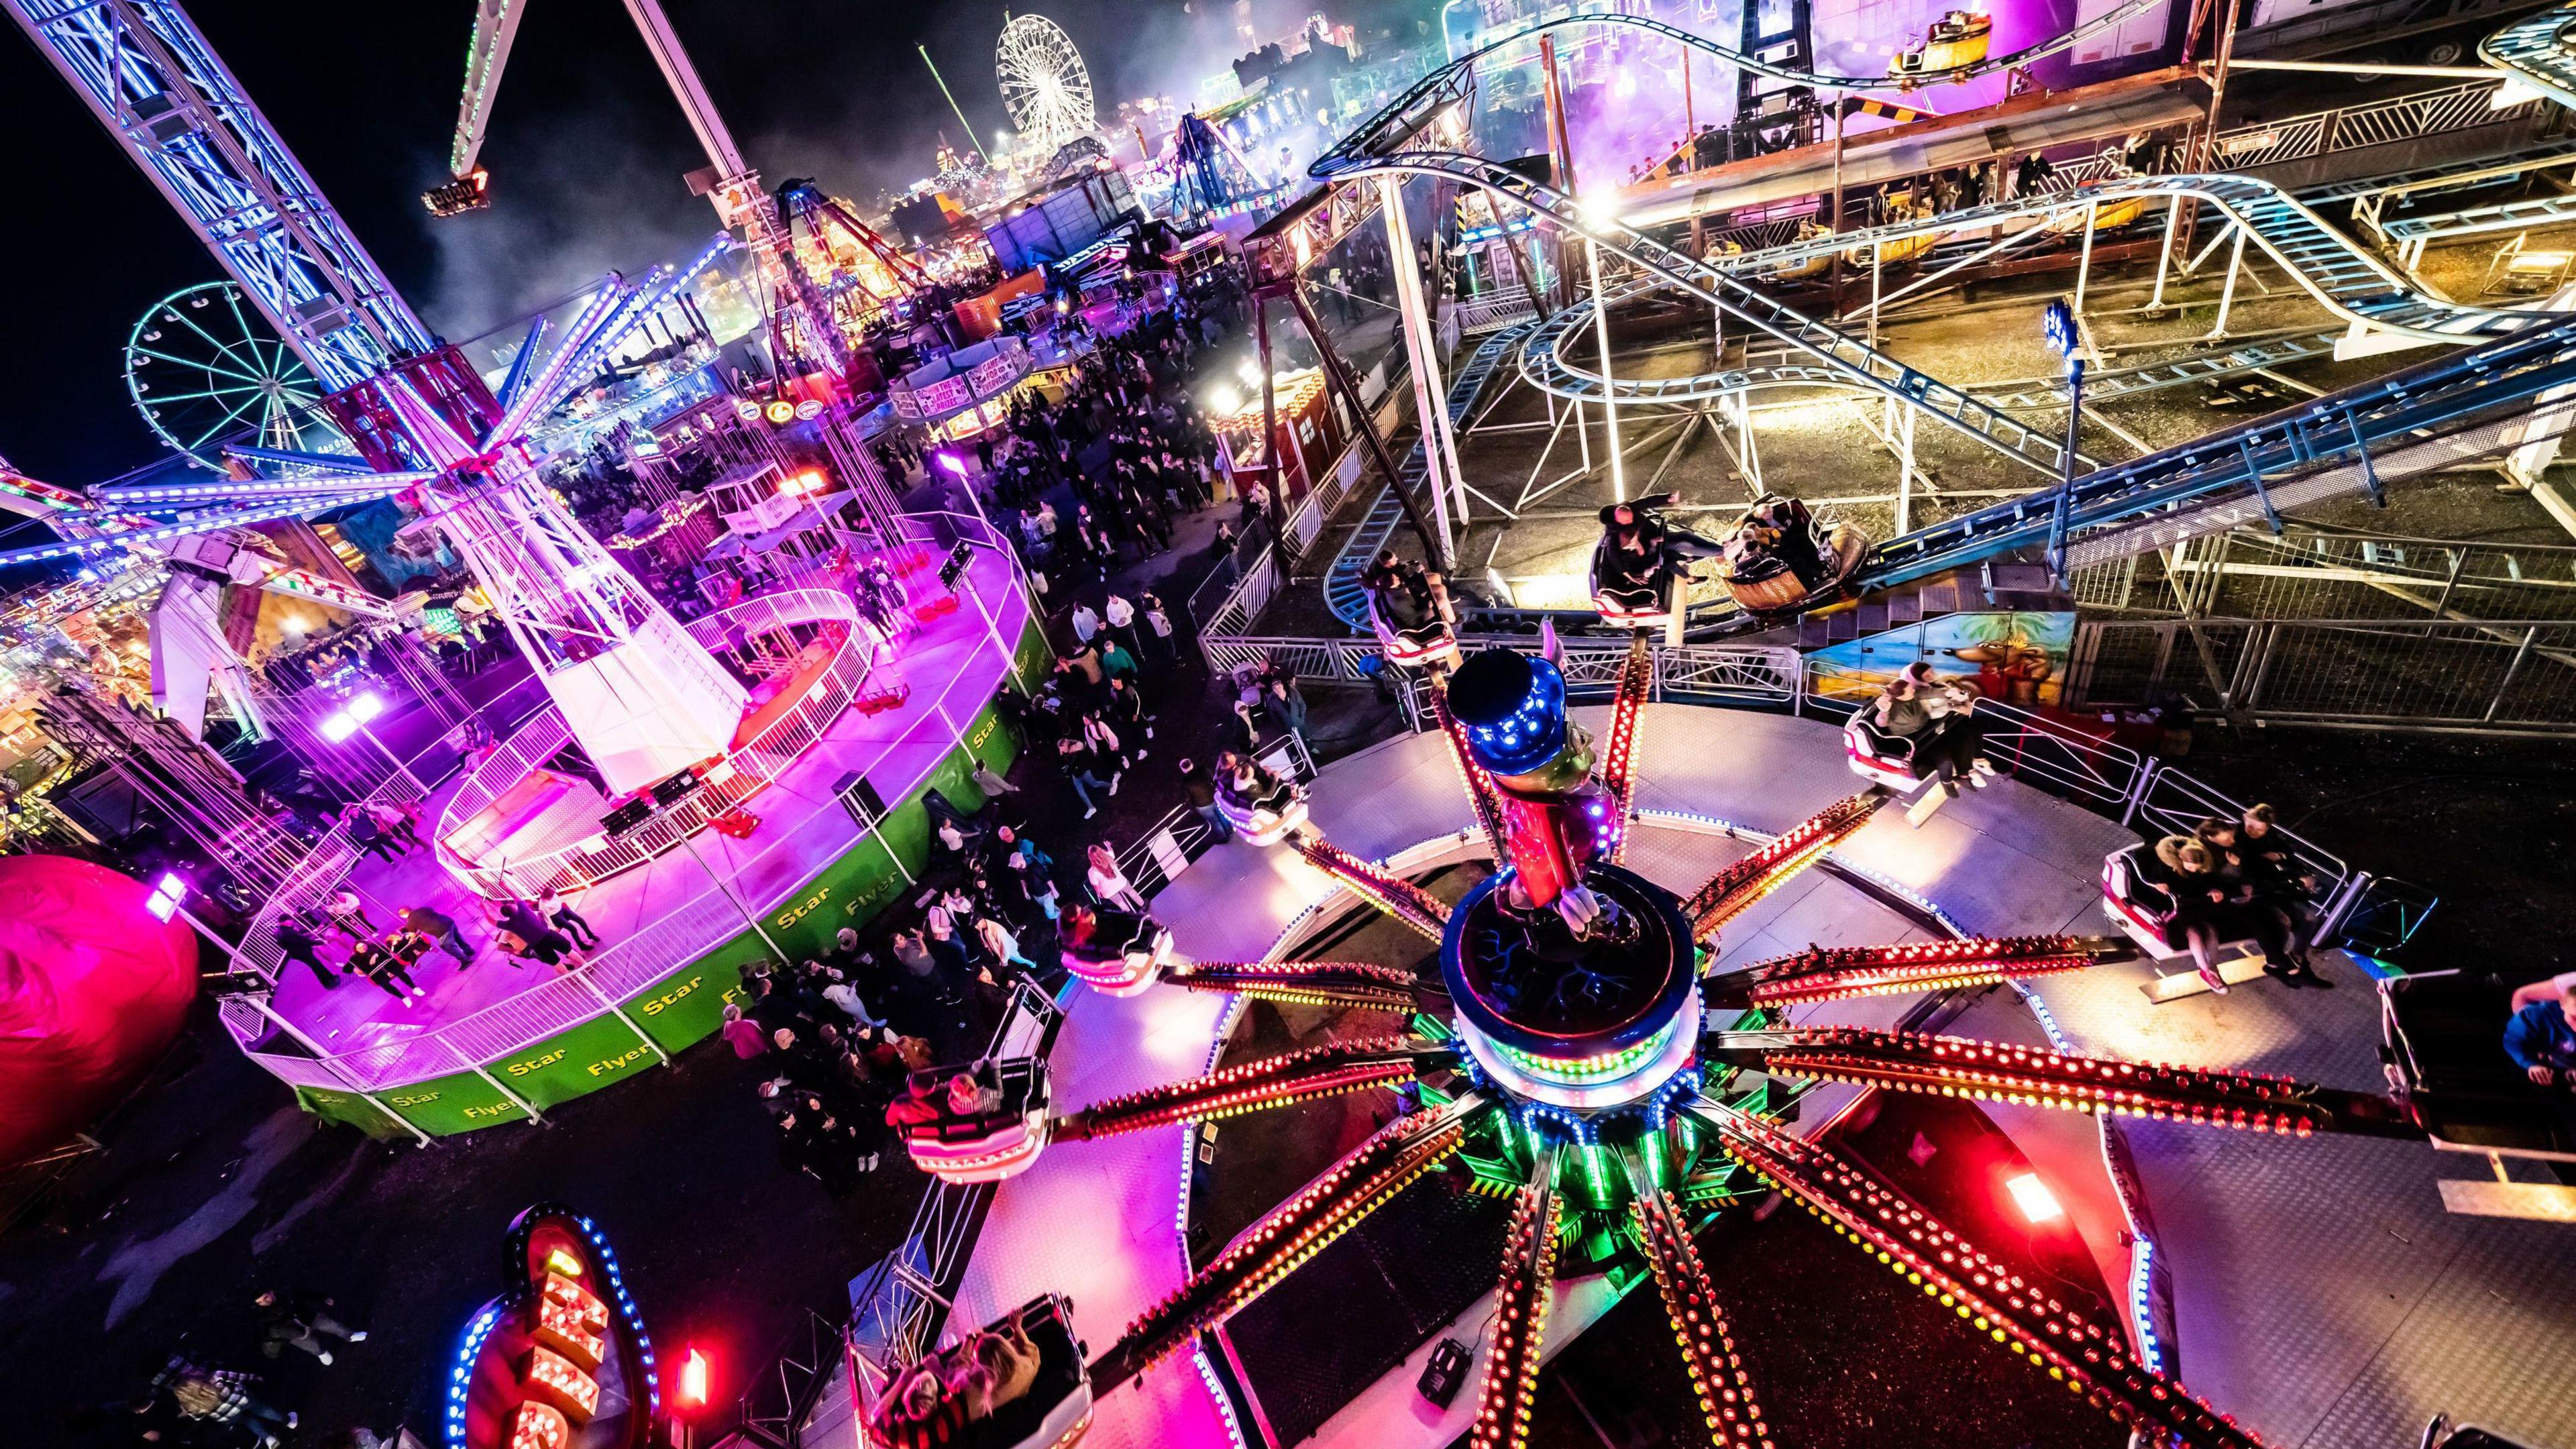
x: 502, y: 1038
x: 2266, y: 1317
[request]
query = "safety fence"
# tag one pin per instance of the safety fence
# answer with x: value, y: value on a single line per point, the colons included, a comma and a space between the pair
x: 2376, y: 123
x: 1748, y: 674
x: 2308, y: 573
x: 742, y: 773
x: 2500, y: 676
x: 613, y: 975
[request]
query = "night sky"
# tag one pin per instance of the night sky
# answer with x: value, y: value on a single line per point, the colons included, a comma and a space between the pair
x: 585, y: 147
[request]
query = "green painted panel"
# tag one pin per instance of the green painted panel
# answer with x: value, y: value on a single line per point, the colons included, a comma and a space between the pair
x: 349, y: 1109
x: 688, y: 1005
x: 445, y: 1106
x: 583, y: 1059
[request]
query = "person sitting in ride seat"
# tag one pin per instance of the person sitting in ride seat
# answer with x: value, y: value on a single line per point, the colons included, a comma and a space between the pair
x: 2254, y: 910
x: 1937, y: 717
x: 2183, y: 871
x: 1407, y: 594
x: 1641, y: 548
x: 1254, y: 784
x: 2540, y: 1036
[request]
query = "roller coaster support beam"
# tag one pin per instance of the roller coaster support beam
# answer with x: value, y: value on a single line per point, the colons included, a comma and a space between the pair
x: 1422, y: 351
x: 1337, y: 375
x: 1278, y: 513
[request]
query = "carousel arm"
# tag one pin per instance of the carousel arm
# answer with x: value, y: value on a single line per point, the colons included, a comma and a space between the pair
x: 1380, y: 887
x: 1522, y: 1298
x: 1297, y: 1076
x: 1728, y: 893
x: 1822, y: 973
x: 1619, y: 757
x: 1475, y: 778
x: 1717, y: 1374
x: 1291, y: 1233
x: 2032, y: 1077
x: 1305, y: 983
x: 2072, y: 1346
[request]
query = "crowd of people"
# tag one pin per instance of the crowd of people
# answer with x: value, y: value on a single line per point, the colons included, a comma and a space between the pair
x: 548, y: 930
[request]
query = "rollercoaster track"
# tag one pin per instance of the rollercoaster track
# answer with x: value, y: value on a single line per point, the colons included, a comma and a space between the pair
x: 1343, y: 592
x: 2533, y: 50
x: 1853, y: 360
x: 2337, y: 272
x: 1378, y: 134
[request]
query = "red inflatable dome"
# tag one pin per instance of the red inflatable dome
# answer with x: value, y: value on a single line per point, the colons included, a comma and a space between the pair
x: 92, y: 989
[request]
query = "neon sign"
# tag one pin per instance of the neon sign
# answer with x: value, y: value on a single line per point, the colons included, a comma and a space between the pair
x: 561, y: 1356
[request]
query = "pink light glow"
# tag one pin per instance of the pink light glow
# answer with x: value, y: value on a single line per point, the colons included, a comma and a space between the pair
x: 2034, y: 1199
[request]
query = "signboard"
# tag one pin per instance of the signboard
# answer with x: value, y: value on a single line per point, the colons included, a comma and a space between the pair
x: 560, y: 1359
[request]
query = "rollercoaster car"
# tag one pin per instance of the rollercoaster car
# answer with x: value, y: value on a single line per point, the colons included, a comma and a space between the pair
x: 1815, y: 266
x: 2106, y: 217
x: 1409, y: 632
x: 1121, y: 952
x: 1625, y: 605
x: 981, y: 1122
x: 2144, y: 910
x: 2442, y: 1043
x: 1757, y: 570
x: 1958, y: 38
x: 1265, y: 813
x: 1018, y: 1383
x: 1879, y: 757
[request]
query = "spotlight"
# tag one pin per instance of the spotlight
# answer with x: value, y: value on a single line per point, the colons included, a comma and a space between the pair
x: 2034, y: 1199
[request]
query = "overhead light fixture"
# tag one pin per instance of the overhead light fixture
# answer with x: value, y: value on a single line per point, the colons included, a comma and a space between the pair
x: 2032, y: 1196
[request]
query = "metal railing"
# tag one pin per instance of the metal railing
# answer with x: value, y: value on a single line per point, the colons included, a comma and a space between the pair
x: 2501, y: 676
x: 744, y: 771
x: 1749, y: 674
x: 897, y: 1306
x: 2307, y: 573
x: 2349, y: 128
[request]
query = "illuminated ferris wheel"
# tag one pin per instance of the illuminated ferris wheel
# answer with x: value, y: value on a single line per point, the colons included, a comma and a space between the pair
x: 1045, y: 85
x: 203, y: 368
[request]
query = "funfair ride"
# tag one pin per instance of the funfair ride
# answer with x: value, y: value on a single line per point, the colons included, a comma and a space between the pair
x: 1574, y: 1046
x: 642, y: 696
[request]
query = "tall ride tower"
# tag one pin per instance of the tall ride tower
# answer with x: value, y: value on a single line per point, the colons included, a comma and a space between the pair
x: 642, y: 696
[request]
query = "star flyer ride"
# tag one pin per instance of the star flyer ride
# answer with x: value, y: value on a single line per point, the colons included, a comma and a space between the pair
x: 1575, y: 1052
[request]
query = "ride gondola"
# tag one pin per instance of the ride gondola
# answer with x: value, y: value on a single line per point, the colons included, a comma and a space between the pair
x: 1410, y: 612
x: 1959, y: 38
x: 1262, y: 805
x: 1017, y: 1383
x: 978, y: 1123
x: 1117, y: 953
x: 1780, y: 556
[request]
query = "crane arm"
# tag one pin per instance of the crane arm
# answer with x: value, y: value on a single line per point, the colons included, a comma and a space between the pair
x: 496, y: 24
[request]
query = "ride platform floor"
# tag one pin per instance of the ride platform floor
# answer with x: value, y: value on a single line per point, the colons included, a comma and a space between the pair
x: 2321, y: 1294
x: 953, y: 670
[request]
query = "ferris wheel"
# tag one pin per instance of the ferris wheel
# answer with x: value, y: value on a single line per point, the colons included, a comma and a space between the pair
x: 203, y: 367
x: 1045, y: 86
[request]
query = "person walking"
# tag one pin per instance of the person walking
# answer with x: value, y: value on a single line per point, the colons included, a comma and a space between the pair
x: 368, y: 836
x: 387, y: 970
x: 440, y: 928
x: 990, y: 781
x: 1109, y: 885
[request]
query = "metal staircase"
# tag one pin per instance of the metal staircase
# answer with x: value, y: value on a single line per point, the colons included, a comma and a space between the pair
x: 1343, y: 592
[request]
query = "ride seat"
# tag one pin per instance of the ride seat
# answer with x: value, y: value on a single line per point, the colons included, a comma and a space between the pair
x: 1880, y: 757
x: 980, y: 1146
x: 1266, y: 821
x: 2443, y: 1043
x: 2145, y: 911
x: 1415, y: 646
x: 1631, y: 605
x: 1124, y: 954
x: 1055, y: 1411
